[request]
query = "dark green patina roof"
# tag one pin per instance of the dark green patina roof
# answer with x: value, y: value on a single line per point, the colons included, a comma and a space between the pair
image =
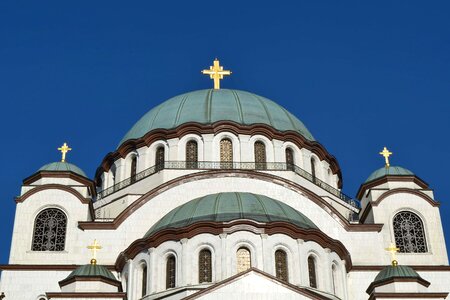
x: 209, y: 106
x: 392, y: 170
x: 90, y: 271
x: 225, y: 207
x: 396, y: 272
x: 62, y: 166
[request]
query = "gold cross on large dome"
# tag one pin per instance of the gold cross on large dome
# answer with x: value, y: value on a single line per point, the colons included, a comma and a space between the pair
x: 216, y: 72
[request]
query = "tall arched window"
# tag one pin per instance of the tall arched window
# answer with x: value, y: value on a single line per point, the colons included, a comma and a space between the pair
x: 49, y: 230
x: 144, y: 280
x: 226, y: 154
x: 159, y: 158
x: 133, y: 169
x: 204, y: 266
x: 289, y: 159
x: 243, y: 260
x: 409, y: 233
x: 313, y: 169
x: 191, y: 154
x: 281, y: 266
x: 312, y: 272
x: 260, y: 155
x: 334, y: 279
x: 170, y: 272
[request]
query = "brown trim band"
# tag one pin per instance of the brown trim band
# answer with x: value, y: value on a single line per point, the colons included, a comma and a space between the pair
x: 427, y: 268
x: 419, y: 280
x: 53, y: 186
x: 215, y: 128
x: 87, y: 295
x: 61, y: 174
x: 376, y: 296
x: 386, y: 178
x: 109, y: 281
x: 17, y: 267
x: 222, y: 174
x: 408, y: 191
x: 216, y: 228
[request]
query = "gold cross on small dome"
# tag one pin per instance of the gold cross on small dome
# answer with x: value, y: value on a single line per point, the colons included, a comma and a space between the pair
x: 64, y: 149
x: 386, y: 153
x: 216, y: 72
x: 94, y: 248
x: 392, y: 249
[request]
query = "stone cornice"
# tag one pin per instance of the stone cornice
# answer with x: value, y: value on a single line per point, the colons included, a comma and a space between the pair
x: 61, y: 174
x: 376, y: 296
x: 373, y: 285
x: 97, y: 278
x: 222, y: 174
x: 377, y: 268
x: 384, y: 179
x: 216, y: 228
x: 87, y: 295
x: 53, y: 186
x: 21, y: 267
x: 215, y: 128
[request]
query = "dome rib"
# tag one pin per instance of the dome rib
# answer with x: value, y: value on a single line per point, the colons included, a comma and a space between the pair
x: 238, y: 106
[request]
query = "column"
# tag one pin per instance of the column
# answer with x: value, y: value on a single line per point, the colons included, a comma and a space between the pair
x: 223, y: 257
x: 301, y: 264
x: 184, y: 278
x: 151, y: 272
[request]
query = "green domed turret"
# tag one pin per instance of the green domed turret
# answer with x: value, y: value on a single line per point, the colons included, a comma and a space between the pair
x: 209, y: 106
x: 62, y: 167
x: 392, y: 170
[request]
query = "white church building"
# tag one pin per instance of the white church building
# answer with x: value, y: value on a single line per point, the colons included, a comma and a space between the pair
x: 223, y: 194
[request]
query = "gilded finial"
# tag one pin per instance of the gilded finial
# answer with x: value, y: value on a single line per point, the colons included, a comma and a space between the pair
x: 64, y: 149
x: 386, y: 153
x: 216, y: 72
x: 392, y: 249
x: 94, y: 248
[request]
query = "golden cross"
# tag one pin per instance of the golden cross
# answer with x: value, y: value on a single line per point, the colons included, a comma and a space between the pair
x: 64, y: 149
x: 386, y: 153
x: 393, y: 250
x: 94, y: 248
x: 216, y: 72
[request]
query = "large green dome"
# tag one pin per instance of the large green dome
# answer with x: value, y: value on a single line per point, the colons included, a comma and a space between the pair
x: 225, y: 207
x: 209, y: 106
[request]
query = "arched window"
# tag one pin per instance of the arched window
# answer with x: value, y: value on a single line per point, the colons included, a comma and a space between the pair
x: 159, y: 159
x: 113, y: 175
x: 133, y: 169
x: 191, y: 154
x: 243, y: 260
x: 170, y: 272
x: 313, y: 169
x: 289, y: 159
x: 144, y: 280
x: 204, y: 266
x: 49, y: 230
x: 281, y: 266
x: 226, y: 154
x: 260, y: 155
x: 334, y: 279
x: 312, y: 272
x: 409, y: 233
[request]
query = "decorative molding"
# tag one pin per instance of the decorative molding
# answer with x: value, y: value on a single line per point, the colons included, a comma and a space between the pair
x: 53, y: 186
x: 387, y: 178
x: 332, y: 211
x: 407, y: 191
x: 115, y: 283
x: 87, y: 295
x: 396, y: 279
x: 215, y: 128
x: 61, y: 174
x: 425, y: 268
x: 217, y: 228
x: 376, y: 296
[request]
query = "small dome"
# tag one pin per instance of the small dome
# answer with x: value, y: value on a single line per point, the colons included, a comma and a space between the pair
x: 225, y: 207
x: 91, y: 271
x: 396, y: 272
x: 62, y: 167
x: 392, y: 170
x: 209, y: 106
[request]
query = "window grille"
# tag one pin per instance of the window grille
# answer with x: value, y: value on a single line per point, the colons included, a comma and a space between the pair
x: 243, y: 260
x: 191, y: 155
x: 226, y: 154
x: 49, y: 230
x: 289, y: 159
x: 159, y: 159
x: 144, y: 280
x: 312, y: 272
x: 170, y: 272
x: 281, y: 267
x: 260, y: 155
x: 409, y: 233
x: 204, y: 266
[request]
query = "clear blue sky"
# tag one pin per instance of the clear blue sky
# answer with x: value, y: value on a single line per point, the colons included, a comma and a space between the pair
x: 359, y: 74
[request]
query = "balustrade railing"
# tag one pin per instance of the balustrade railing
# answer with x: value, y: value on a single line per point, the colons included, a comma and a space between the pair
x: 216, y: 165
